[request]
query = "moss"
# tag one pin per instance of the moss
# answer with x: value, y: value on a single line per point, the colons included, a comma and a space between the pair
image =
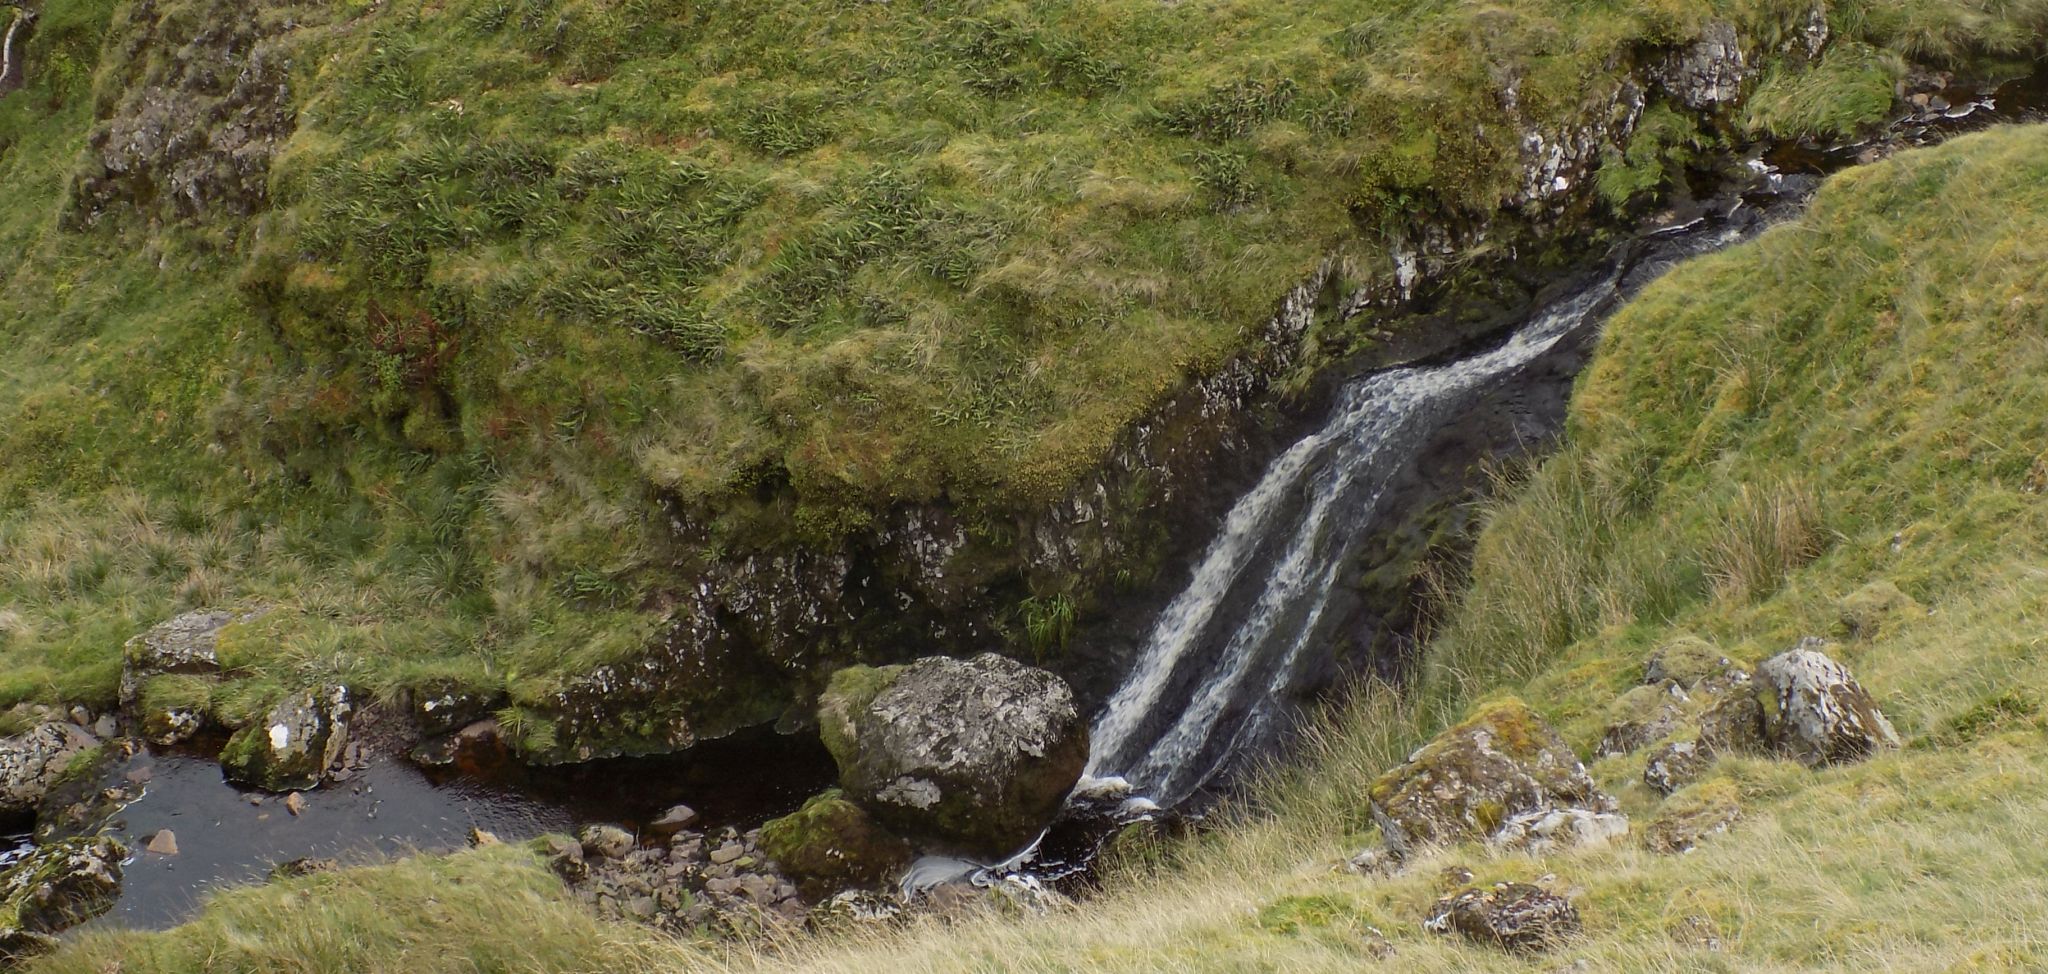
x: 831, y: 844
x: 1867, y: 612
x: 850, y: 691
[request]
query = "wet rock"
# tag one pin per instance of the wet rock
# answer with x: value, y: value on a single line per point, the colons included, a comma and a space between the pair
x: 1689, y: 817
x: 565, y: 857
x: 445, y: 706
x: 833, y: 844
x: 1675, y: 765
x: 292, y: 746
x: 1548, y: 831
x: 304, y: 866
x: 1823, y: 716
x: 31, y: 764
x: 1643, y: 716
x: 59, y: 886
x: 295, y: 803
x: 1865, y: 613
x: 163, y: 843
x: 975, y: 754
x: 605, y: 841
x: 476, y: 748
x: 94, y: 786
x: 1502, y: 763
x: 1512, y: 916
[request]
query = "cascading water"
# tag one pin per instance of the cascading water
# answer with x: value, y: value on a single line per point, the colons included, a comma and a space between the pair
x: 1225, y: 654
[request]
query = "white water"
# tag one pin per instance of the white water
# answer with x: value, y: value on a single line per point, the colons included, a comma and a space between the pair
x: 7, y: 45
x: 1208, y: 670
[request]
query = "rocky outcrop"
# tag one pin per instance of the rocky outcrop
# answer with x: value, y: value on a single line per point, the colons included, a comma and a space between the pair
x: 1710, y: 73
x: 294, y: 745
x: 57, y: 887
x: 832, y: 844
x: 971, y: 755
x: 31, y: 764
x: 1823, y: 715
x: 1502, y: 765
x: 1516, y: 917
x: 203, y: 104
x: 168, y: 673
x: 1556, y: 829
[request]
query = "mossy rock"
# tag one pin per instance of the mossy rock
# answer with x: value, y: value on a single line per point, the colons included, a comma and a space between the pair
x: 1642, y: 717
x: 1689, y: 661
x: 1502, y: 762
x: 847, y: 694
x: 832, y: 844
x: 59, y: 886
x: 88, y: 792
x: 1868, y: 611
x: 293, y: 746
x: 1690, y: 816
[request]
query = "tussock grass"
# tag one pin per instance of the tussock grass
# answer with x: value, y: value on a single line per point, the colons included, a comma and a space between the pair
x: 1901, y: 324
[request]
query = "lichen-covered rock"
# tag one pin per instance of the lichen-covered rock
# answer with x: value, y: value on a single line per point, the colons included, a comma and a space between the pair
x: 1823, y: 716
x: 975, y: 755
x: 93, y: 786
x: 188, y: 644
x: 1501, y: 763
x: 1643, y: 716
x: 1675, y: 765
x: 1512, y: 916
x: 1709, y: 73
x: 1559, y: 828
x: 1691, y: 816
x: 605, y: 842
x: 833, y: 844
x: 58, y: 887
x: 1865, y: 612
x: 293, y: 746
x: 445, y: 706
x: 32, y: 762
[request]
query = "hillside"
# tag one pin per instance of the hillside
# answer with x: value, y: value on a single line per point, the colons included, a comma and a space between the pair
x: 1767, y: 437
x: 493, y: 344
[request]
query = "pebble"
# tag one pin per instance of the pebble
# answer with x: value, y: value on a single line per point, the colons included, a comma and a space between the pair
x: 163, y: 843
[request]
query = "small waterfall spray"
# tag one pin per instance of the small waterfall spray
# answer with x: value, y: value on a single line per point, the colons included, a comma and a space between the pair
x: 1223, y: 656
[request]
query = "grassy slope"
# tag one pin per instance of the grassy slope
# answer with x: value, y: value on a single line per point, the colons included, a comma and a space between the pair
x: 1854, y: 397
x: 677, y: 255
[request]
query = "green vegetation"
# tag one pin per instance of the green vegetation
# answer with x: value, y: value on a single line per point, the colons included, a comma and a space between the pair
x: 1768, y: 438
x: 529, y: 268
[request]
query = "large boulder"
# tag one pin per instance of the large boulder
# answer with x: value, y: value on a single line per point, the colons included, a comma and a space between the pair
x: 293, y: 746
x: 1512, y: 916
x: 832, y: 844
x: 168, y: 673
x: 55, y: 888
x: 971, y: 755
x: 1823, y: 716
x: 1500, y: 765
x: 32, y: 762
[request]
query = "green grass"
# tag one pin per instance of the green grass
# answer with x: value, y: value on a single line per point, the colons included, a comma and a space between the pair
x: 1765, y: 433
x: 533, y: 267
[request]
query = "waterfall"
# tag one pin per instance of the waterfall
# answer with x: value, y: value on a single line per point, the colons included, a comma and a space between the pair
x: 7, y: 65
x: 1222, y: 657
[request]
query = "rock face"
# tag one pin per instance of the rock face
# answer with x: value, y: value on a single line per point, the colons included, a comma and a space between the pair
x: 191, y: 135
x: 974, y: 755
x: 1824, y: 716
x: 294, y: 745
x: 1500, y: 765
x: 1711, y: 72
x: 832, y: 844
x: 31, y: 763
x: 1512, y: 916
x: 57, y: 887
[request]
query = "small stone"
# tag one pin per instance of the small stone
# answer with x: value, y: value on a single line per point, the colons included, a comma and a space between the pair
x: 565, y: 857
x: 605, y: 841
x: 478, y: 838
x: 674, y: 820
x: 727, y: 853
x: 82, y: 717
x: 106, y: 727
x: 294, y: 804
x: 253, y: 798
x: 163, y: 843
